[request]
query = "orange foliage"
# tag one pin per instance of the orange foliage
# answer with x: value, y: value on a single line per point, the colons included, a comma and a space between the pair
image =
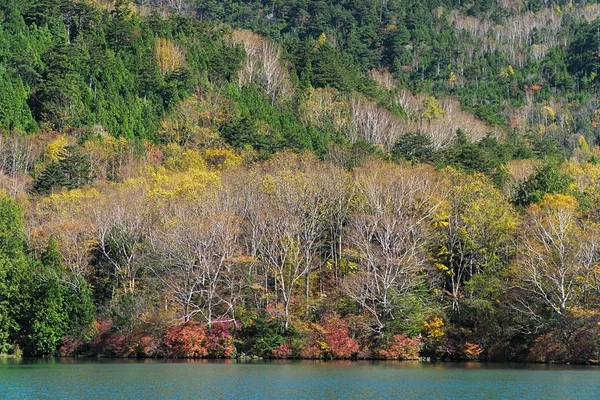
x: 186, y: 341
x: 401, y: 347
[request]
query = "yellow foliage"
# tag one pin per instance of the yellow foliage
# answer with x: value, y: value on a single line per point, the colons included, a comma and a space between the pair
x: 452, y: 78
x: 508, y: 72
x: 434, y: 328
x: 114, y: 145
x: 326, y: 105
x: 549, y: 112
x: 440, y: 219
x: 559, y: 201
x: 432, y: 108
x: 269, y: 184
x: 541, y: 130
x: 188, y: 184
x: 443, y: 268
x: 54, y: 149
x: 222, y: 158
x: 322, y: 39
x: 583, y: 145
x: 184, y: 160
x: 169, y: 56
x: 66, y: 204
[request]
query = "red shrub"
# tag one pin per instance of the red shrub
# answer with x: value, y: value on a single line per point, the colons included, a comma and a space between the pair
x: 337, y: 337
x: 219, y: 341
x: 313, y: 349
x: 401, y: 347
x: 284, y: 350
x: 69, y: 347
x: 107, y: 342
x: 186, y: 341
x: 147, y: 346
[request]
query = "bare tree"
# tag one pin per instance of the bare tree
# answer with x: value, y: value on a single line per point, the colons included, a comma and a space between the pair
x: 196, y: 244
x: 122, y: 219
x: 388, y: 232
x: 556, y: 257
x: 291, y: 221
x: 16, y: 159
x: 263, y: 65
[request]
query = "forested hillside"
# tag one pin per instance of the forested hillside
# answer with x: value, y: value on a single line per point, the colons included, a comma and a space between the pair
x: 300, y: 179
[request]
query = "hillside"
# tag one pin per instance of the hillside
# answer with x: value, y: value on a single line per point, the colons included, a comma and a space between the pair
x: 300, y: 179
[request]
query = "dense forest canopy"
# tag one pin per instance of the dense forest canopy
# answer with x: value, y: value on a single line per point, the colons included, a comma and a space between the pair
x: 300, y: 179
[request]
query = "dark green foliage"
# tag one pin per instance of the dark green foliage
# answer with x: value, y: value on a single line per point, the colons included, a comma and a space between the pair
x: 72, y: 171
x: 60, y: 306
x: 40, y: 303
x: 67, y: 64
x: 414, y: 147
x: 583, y: 51
x: 547, y: 179
x: 262, y: 334
x: 268, y: 128
x: 14, y: 273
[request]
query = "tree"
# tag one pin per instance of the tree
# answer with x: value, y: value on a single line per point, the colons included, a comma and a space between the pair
x: 14, y: 272
x: 168, y: 55
x: 474, y: 232
x: 556, y: 257
x: 196, y: 243
x: 122, y: 220
x: 289, y: 218
x: 547, y: 179
x: 388, y: 233
x: 71, y: 171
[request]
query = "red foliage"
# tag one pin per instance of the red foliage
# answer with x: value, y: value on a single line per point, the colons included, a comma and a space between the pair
x: 401, y: 347
x: 284, y: 350
x: 337, y: 337
x: 364, y: 353
x: 312, y: 350
x: 109, y: 343
x: 219, y: 341
x: 147, y: 346
x: 69, y: 347
x: 186, y: 341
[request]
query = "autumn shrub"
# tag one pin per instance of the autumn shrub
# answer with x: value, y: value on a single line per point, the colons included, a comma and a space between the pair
x: 107, y: 341
x: 69, y: 347
x: 313, y: 348
x: 147, y: 346
x: 336, y: 335
x: 284, y: 350
x: 330, y: 339
x: 472, y: 351
x: 401, y: 347
x: 575, y: 340
x: 434, y: 332
x: 219, y: 340
x: 186, y: 341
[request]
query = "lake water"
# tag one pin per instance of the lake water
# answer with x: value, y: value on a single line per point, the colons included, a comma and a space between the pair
x: 152, y: 379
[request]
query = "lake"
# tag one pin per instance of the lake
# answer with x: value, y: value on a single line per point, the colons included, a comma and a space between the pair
x: 156, y: 379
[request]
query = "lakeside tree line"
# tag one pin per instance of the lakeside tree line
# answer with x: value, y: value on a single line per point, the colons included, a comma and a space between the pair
x: 314, y: 180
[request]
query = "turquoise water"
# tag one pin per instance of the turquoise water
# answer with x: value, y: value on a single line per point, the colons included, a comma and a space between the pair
x: 151, y: 379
